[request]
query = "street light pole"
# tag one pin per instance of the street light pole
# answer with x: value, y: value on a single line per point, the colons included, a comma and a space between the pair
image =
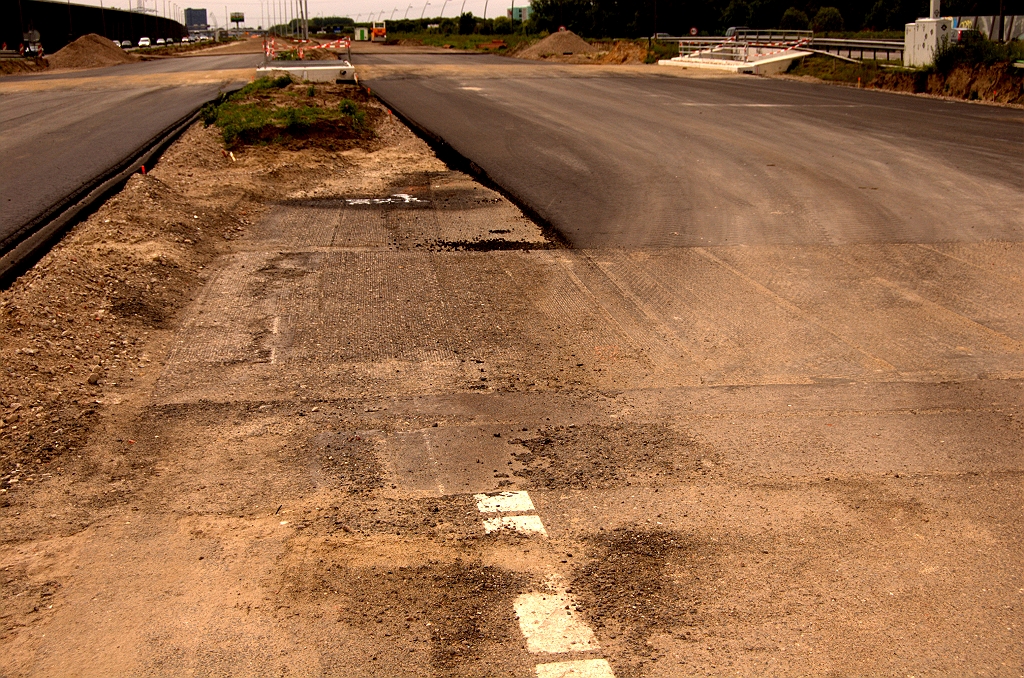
x: 424, y: 12
x: 407, y: 12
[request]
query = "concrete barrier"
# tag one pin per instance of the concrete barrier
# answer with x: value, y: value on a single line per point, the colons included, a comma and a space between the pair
x: 331, y: 71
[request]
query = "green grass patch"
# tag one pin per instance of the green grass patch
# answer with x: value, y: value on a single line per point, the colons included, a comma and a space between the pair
x: 660, y: 50
x: 835, y: 70
x: 275, y: 111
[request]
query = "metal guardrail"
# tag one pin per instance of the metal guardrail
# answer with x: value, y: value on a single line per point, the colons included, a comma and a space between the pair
x: 860, y: 48
x: 890, y: 50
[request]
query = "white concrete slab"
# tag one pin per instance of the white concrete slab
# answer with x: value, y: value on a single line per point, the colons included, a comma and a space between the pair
x: 525, y: 524
x: 771, y: 65
x: 336, y: 71
x: 550, y: 623
x: 503, y: 502
x: 580, y: 668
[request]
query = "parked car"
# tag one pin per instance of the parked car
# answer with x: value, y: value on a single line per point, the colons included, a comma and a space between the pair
x: 126, y: 43
x: 145, y: 42
x: 170, y: 41
x: 161, y: 41
x: 185, y: 40
x: 117, y: 43
x: 965, y: 34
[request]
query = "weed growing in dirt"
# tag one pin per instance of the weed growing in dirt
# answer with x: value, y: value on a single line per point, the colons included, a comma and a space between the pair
x: 353, y: 111
x: 274, y: 111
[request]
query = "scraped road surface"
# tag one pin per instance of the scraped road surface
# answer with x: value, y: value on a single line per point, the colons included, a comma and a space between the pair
x: 397, y: 432
x: 64, y: 130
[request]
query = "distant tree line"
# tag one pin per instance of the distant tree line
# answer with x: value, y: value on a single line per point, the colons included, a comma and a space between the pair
x: 327, y: 24
x: 640, y: 18
x: 467, y: 24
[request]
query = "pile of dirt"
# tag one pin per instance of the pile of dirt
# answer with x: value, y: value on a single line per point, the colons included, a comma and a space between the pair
x: 318, y: 54
x: 18, y: 66
x: 623, y: 52
x: 562, y: 43
x: 89, y: 51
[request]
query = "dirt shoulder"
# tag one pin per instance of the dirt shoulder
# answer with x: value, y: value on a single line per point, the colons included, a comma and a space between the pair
x: 82, y: 323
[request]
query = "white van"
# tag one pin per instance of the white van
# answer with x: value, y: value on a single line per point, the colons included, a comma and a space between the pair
x: 144, y: 42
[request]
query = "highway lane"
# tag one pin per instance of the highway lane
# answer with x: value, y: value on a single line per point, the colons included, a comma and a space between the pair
x: 170, y: 65
x: 61, y: 138
x: 661, y: 158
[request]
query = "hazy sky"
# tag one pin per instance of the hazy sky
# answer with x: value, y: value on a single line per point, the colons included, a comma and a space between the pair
x: 351, y: 8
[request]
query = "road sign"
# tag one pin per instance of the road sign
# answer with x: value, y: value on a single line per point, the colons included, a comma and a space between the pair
x: 693, y: 31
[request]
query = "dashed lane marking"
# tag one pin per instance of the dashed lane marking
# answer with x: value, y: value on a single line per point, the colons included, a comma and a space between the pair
x: 550, y: 622
x: 505, y: 502
x: 526, y: 524
x: 580, y: 668
x: 549, y: 619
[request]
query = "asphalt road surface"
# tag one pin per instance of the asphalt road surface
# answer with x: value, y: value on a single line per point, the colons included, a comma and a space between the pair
x: 63, y: 130
x: 657, y: 159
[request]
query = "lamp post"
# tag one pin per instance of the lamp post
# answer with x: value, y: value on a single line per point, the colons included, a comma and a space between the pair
x: 407, y: 12
x: 443, y: 5
x: 424, y: 12
x: 391, y: 18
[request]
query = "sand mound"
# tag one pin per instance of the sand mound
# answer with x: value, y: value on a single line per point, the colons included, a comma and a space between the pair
x: 558, y: 44
x: 89, y: 51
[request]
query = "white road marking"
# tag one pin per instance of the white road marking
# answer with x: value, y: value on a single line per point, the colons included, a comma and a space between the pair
x: 527, y: 524
x: 550, y: 623
x: 581, y: 668
x: 505, y: 502
x: 403, y: 198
